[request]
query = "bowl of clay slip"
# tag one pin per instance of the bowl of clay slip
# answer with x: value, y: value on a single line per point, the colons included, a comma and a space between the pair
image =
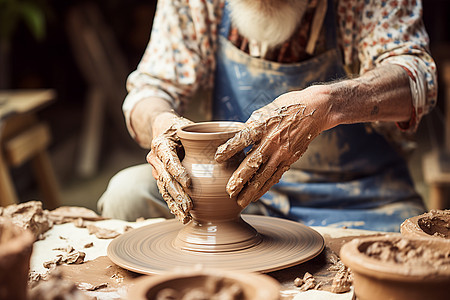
x: 205, y: 284
x: 395, y: 267
x: 15, y: 252
x: 433, y: 224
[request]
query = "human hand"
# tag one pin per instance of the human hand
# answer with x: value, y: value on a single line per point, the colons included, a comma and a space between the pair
x: 280, y: 133
x: 172, y: 178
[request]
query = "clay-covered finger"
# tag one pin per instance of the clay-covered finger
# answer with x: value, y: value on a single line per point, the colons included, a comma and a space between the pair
x: 166, y: 151
x: 177, y: 199
x: 273, y: 180
x: 251, y: 134
x: 244, y: 172
x: 254, y: 186
x: 250, y: 166
x: 174, y: 207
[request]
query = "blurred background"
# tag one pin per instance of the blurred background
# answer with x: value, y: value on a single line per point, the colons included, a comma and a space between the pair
x: 84, y: 50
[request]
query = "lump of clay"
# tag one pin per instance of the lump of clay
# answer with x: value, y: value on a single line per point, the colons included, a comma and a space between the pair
x: 28, y: 215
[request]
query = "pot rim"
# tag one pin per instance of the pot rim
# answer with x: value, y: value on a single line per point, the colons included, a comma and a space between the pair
x: 265, y: 286
x: 233, y: 128
x: 411, y: 227
x: 371, y: 267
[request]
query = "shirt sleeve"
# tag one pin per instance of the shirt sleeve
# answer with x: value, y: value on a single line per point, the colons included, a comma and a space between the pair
x: 391, y: 32
x: 180, y: 54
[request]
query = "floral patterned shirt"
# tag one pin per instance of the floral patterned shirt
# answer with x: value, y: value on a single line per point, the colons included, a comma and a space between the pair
x: 180, y: 56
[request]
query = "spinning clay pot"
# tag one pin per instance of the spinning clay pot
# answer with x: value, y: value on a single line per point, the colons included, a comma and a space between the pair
x: 216, y: 224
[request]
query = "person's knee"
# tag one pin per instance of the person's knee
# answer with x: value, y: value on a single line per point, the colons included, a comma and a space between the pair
x: 130, y: 195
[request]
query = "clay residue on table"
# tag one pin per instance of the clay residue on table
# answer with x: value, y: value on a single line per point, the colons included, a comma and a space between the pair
x: 328, y: 271
x: 436, y: 223
x: 56, y: 287
x: 100, y: 272
x: 30, y: 215
x: 407, y: 253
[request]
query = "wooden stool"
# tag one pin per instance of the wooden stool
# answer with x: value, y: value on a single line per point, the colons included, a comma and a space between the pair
x: 24, y: 138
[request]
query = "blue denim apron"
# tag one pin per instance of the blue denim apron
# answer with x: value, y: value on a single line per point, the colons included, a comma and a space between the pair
x: 349, y: 176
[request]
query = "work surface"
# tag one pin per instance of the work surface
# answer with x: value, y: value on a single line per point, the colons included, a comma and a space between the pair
x: 101, y: 278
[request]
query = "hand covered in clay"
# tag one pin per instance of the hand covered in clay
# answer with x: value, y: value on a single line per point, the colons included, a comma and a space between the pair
x: 279, y: 133
x: 172, y: 178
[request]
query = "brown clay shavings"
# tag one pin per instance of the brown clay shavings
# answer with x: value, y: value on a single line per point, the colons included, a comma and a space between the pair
x: 343, y: 279
x: 405, y: 252
x: 213, y: 289
x: 70, y: 257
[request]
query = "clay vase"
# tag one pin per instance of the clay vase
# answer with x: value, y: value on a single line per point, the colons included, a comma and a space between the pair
x: 15, y: 251
x: 216, y: 224
x: 433, y: 224
x: 415, y: 274
x: 210, y: 284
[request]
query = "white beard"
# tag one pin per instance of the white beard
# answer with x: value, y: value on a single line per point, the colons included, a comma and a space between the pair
x: 270, y: 22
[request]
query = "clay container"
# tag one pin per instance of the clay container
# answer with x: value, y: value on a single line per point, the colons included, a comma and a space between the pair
x: 216, y: 224
x: 15, y: 251
x: 205, y: 284
x: 433, y: 224
x: 398, y: 268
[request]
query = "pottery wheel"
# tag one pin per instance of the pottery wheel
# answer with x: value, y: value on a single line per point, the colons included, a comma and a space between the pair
x: 150, y: 249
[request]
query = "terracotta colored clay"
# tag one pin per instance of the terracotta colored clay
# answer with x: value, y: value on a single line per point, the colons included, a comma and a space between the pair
x: 216, y: 224
x: 395, y: 267
x: 210, y: 284
x: 217, y: 236
x: 435, y: 223
x: 15, y: 251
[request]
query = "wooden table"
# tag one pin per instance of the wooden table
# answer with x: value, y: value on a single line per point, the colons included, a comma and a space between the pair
x: 24, y: 138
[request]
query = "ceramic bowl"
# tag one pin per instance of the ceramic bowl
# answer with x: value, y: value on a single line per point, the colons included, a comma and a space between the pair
x: 207, y: 283
x: 415, y: 273
x: 435, y: 224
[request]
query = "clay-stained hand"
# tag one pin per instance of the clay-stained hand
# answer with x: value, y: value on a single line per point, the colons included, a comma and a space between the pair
x: 279, y: 134
x: 172, y: 178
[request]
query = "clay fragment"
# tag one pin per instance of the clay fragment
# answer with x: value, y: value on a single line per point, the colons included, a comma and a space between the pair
x: 90, y: 287
x: 66, y: 214
x: 102, y: 233
x: 71, y: 257
x: 342, y: 281
x: 29, y: 215
x: 308, y: 282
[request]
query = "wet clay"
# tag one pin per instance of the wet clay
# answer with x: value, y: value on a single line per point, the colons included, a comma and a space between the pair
x: 100, y: 273
x: 396, y: 267
x: 435, y: 223
x: 15, y: 251
x: 216, y: 224
x: 205, y: 284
